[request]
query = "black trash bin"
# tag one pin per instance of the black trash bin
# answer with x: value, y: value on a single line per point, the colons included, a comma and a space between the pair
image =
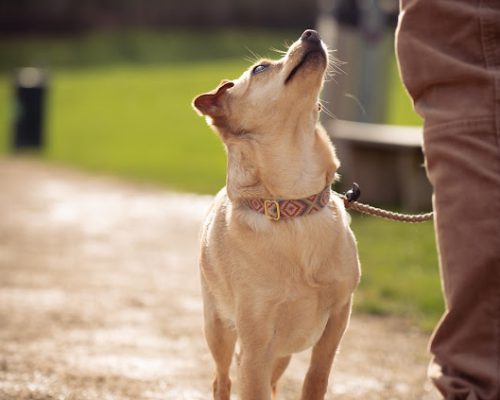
x: 30, y: 93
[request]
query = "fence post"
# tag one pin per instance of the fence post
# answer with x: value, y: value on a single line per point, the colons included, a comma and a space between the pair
x: 362, y: 32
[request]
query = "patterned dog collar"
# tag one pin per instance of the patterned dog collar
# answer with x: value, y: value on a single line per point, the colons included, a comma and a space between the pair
x: 281, y: 209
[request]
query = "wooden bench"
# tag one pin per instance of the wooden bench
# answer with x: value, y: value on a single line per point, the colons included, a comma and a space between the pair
x: 385, y: 160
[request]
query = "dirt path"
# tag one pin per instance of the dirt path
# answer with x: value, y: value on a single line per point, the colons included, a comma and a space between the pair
x: 99, y: 299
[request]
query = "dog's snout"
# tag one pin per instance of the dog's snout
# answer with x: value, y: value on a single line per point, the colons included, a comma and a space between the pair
x: 310, y: 35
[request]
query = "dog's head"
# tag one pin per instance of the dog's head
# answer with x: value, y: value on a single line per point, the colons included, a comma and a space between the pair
x: 270, y: 95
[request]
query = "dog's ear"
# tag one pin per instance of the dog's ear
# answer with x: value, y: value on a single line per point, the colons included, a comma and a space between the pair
x: 210, y: 103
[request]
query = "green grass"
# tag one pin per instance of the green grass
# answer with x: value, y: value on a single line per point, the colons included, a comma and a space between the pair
x: 139, y: 123
x: 120, y: 103
x: 399, y: 270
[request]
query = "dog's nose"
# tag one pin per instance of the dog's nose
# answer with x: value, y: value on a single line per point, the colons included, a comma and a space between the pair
x: 310, y: 35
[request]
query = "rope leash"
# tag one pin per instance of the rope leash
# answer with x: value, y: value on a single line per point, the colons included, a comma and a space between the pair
x: 350, y: 202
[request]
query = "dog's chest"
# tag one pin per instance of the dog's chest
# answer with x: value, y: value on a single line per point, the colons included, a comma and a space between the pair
x: 300, y: 321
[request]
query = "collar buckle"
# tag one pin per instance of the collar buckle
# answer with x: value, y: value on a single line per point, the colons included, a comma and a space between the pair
x: 268, y: 210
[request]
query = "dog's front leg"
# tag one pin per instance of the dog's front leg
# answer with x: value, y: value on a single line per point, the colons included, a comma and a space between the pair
x: 316, y: 382
x: 256, y: 357
x: 254, y: 374
x: 221, y: 340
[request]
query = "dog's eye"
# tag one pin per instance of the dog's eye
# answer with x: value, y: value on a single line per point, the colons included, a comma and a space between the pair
x: 259, y: 68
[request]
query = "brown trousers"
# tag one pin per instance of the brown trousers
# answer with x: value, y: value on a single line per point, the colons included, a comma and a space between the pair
x: 449, y: 58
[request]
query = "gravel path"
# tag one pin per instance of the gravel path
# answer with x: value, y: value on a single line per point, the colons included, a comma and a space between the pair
x: 99, y: 299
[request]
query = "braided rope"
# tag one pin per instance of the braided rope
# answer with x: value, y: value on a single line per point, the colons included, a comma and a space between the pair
x: 380, y: 213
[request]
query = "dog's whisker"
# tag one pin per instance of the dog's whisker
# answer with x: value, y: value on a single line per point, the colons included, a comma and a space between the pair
x: 333, y: 60
x: 357, y: 101
x: 332, y: 79
x: 336, y: 61
x: 256, y: 57
x: 251, y: 60
x: 331, y: 74
x: 330, y: 70
x: 328, y: 113
x: 277, y: 50
x: 335, y: 69
x: 326, y: 110
x: 335, y: 64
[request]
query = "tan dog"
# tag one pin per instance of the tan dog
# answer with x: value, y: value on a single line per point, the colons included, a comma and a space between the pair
x: 274, y: 279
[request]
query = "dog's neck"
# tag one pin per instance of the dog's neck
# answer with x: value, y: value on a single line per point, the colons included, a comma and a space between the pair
x: 286, y: 165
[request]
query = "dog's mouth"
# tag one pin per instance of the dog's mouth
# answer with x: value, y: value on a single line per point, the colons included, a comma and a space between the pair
x: 305, y: 58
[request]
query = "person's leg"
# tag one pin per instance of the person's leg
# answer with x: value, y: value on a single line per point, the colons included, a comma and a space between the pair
x: 449, y: 57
